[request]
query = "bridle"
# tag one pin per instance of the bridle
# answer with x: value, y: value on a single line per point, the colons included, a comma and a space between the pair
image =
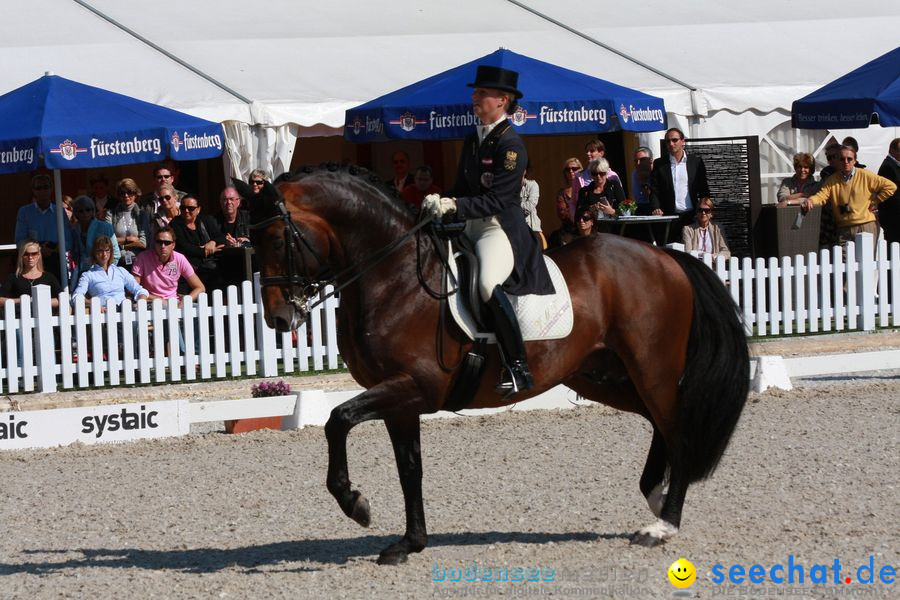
x: 310, y: 287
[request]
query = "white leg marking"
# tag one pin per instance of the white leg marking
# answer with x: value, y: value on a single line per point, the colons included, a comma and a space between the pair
x: 660, y: 530
x: 656, y: 498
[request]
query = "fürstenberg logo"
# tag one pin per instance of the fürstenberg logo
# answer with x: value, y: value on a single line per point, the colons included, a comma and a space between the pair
x: 124, y: 420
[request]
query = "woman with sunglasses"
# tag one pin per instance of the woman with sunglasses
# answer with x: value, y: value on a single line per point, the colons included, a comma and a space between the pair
x: 584, y: 224
x: 199, y: 238
x: 29, y: 273
x: 129, y: 222
x: 86, y: 230
x: 704, y: 236
x: 167, y: 210
x: 257, y: 180
x: 571, y: 168
x: 603, y: 196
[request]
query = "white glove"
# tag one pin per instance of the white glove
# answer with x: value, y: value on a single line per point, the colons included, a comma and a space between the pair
x: 435, y: 207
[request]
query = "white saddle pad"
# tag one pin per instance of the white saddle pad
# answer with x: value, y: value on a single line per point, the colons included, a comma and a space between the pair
x: 546, y: 317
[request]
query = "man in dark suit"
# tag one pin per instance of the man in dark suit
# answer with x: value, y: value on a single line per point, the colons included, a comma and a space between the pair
x: 402, y: 177
x: 889, y: 210
x: 677, y: 183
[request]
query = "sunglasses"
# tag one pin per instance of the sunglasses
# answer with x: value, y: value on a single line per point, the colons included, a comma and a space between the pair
x: 585, y: 218
x: 164, y: 242
x: 169, y: 176
x: 166, y: 197
x: 673, y: 140
x: 128, y: 193
x: 845, y: 159
x: 598, y: 173
x: 257, y: 182
x: 705, y: 211
x: 572, y: 169
x: 189, y: 208
x: 32, y: 254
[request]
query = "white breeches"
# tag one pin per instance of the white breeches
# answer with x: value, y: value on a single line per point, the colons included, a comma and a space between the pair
x: 494, y: 252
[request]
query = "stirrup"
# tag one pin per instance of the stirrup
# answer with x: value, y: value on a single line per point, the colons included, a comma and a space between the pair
x: 514, y: 379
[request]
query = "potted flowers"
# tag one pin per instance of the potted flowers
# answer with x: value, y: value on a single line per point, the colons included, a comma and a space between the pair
x: 260, y: 390
x: 627, y: 208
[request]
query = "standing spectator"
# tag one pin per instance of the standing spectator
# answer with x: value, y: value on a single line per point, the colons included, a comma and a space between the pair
x: 233, y: 222
x: 106, y: 280
x: 603, y: 196
x: 199, y: 239
x: 257, y: 180
x: 29, y: 273
x: 104, y: 204
x: 594, y: 149
x: 164, y: 174
x: 423, y: 184
x: 832, y: 152
x: 160, y: 269
x: 402, y: 177
x: 571, y: 168
x: 129, y: 222
x: 677, y: 183
x: 530, y: 195
x: 850, y: 193
x: 167, y: 210
x: 889, y: 211
x: 851, y: 141
x: 37, y: 221
x: 86, y: 230
x: 640, y: 179
x: 802, y: 184
x: 703, y: 236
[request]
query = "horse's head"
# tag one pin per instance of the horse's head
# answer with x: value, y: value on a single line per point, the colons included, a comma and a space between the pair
x: 291, y: 248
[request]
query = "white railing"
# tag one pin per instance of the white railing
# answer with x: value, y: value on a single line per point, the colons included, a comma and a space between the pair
x: 42, y: 349
x: 219, y: 335
x: 824, y: 291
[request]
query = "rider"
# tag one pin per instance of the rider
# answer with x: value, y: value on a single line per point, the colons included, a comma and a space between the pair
x: 486, y: 196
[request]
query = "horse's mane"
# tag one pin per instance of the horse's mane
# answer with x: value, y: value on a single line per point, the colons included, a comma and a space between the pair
x: 360, y: 191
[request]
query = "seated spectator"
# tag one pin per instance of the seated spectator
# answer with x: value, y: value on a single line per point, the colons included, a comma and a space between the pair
x: 129, y: 222
x: 603, y: 195
x: 704, y: 236
x: 86, y: 230
x: 567, y: 232
x: 233, y: 222
x: 423, y: 184
x: 160, y: 269
x: 584, y: 224
x: 167, y: 209
x: 257, y: 180
x: 106, y: 280
x: 199, y: 239
x: 29, y: 273
x: 802, y: 184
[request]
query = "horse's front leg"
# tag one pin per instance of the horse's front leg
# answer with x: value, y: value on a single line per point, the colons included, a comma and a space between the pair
x: 407, y: 451
x: 396, y: 399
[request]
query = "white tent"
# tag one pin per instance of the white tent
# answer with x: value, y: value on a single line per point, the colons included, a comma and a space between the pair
x: 276, y: 69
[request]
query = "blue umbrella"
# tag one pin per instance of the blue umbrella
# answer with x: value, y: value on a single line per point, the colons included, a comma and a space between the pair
x: 869, y: 94
x: 63, y: 124
x: 555, y: 101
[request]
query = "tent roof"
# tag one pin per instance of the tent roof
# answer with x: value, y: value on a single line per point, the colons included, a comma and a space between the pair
x: 307, y: 62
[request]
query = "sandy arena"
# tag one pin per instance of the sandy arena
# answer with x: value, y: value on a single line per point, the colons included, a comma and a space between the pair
x: 810, y: 473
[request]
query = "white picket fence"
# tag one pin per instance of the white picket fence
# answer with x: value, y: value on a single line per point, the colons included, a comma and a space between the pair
x: 219, y: 335
x: 828, y: 291
x: 42, y: 349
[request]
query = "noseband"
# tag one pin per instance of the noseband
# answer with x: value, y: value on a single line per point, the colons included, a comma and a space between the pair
x: 311, y: 286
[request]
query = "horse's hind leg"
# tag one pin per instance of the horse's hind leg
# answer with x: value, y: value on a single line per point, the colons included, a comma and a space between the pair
x: 670, y: 514
x: 653, y: 478
x: 407, y: 450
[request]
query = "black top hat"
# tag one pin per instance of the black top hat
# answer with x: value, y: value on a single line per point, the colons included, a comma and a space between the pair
x: 497, y: 78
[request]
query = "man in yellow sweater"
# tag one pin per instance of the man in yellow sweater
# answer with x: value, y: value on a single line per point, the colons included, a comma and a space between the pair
x: 852, y: 192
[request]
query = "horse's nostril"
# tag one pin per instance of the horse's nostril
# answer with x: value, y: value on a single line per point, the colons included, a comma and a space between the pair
x: 282, y: 324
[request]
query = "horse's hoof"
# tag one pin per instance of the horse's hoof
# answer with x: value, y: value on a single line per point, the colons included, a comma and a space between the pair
x: 645, y: 539
x: 392, y: 557
x: 359, y: 511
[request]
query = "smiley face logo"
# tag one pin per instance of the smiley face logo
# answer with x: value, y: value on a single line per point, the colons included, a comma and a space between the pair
x: 682, y: 573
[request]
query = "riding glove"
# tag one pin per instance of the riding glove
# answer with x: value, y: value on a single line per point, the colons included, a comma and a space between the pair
x: 435, y: 207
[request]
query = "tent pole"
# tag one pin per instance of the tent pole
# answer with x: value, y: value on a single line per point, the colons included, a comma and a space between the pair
x: 60, y: 230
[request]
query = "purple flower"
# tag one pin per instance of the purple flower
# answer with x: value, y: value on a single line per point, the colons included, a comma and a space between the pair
x: 270, y: 388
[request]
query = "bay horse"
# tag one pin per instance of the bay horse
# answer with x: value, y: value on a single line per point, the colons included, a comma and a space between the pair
x: 655, y: 333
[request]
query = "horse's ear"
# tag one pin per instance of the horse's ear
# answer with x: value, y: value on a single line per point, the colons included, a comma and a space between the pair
x: 242, y: 187
x: 269, y: 191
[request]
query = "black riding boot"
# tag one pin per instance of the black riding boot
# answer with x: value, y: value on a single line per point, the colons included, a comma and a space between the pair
x: 516, y: 377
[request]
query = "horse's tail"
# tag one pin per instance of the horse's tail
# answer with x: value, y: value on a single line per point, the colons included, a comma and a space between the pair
x: 716, y: 378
